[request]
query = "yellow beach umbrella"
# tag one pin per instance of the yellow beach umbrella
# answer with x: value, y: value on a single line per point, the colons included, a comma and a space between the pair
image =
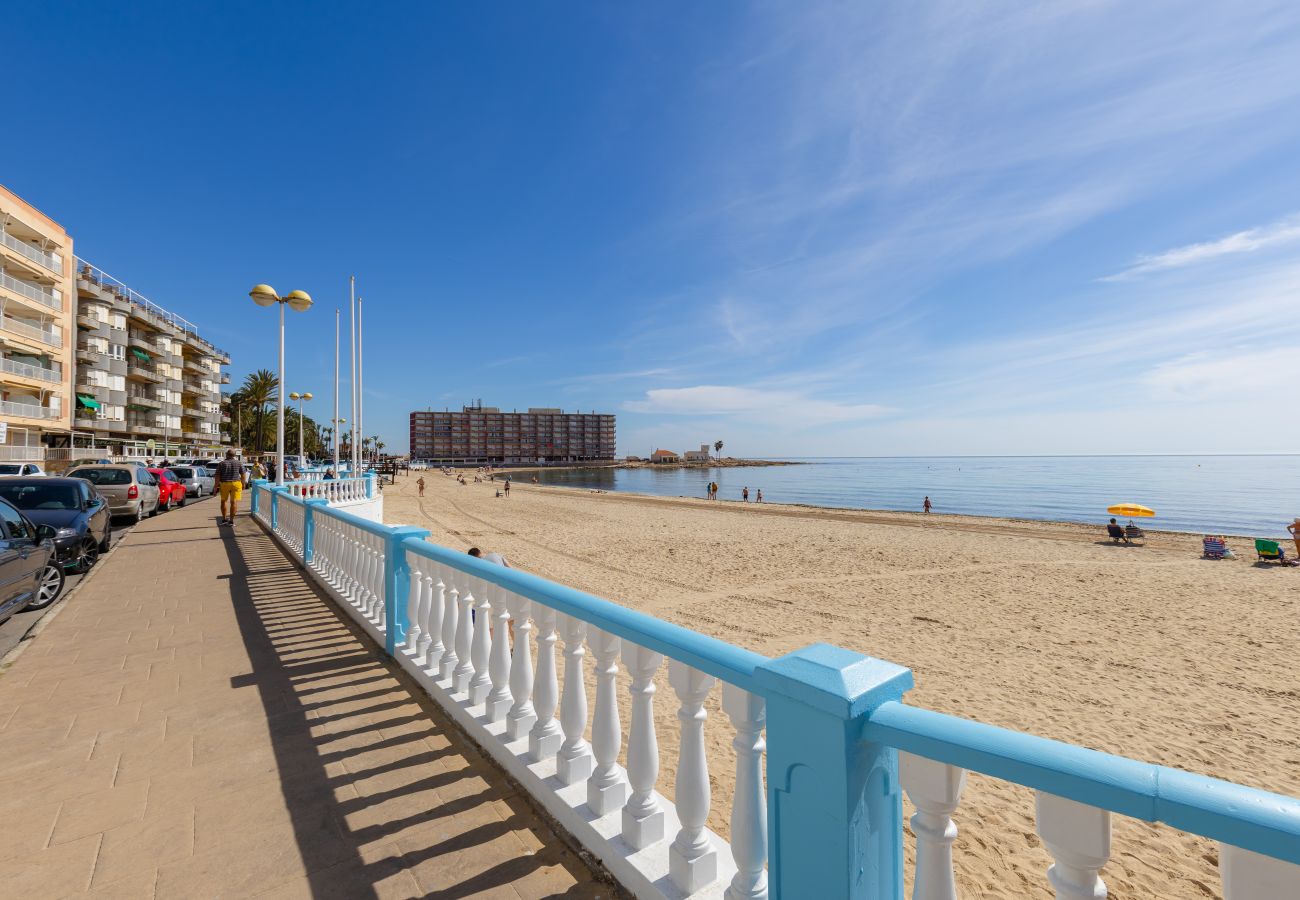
x: 1132, y: 510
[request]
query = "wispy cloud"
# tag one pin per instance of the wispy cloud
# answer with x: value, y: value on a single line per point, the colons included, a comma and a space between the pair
x: 749, y: 404
x: 1285, y: 231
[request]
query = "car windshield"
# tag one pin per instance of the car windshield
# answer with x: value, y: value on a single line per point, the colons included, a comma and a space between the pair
x: 41, y: 496
x: 182, y: 472
x: 102, y: 476
x: 7, y: 469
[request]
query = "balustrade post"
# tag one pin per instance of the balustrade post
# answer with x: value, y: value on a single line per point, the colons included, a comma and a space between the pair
x: 545, y: 737
x: 370, y: 485
x: 450, y: 628
x: 935, y: 790
x: 1078, y: 837
x: 1253, y: 876
x: 275, y: 505
x: 606, y: 789
x: 499, y: 699
x: 835, y: 811
x: 749, y: 805
x: 692, y: 858
x: 397, y: 582
x: 417, y: 600
x: 464, y: 642
x: 429, y: 652
x: 309, y: 530
x: 573, y: 763
x: 522, y: 716
x: 643, y: 817
x: 481, y: 647
x: 259, y: 485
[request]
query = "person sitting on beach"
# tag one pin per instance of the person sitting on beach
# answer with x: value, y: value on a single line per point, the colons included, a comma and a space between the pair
x: 1116, y: 532
x: 492, y: 557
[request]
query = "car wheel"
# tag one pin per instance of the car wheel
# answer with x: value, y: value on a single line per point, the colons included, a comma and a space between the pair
x: 164, y: 506
x: 89, y: 554
x: 50, y: 586
x: 182, y: 501
x: 107, y: 543
x: 139, y: 513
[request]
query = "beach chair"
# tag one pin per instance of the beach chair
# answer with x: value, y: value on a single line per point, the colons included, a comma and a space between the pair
x: 1116, y: 533
x: 1133, y: 533
x: 1214, y: 547
x: 1269, y: 550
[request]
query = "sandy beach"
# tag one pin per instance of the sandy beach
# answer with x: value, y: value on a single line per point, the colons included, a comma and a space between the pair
x: 1150, y: 652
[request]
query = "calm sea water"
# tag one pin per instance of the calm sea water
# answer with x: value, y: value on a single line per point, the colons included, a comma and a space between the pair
x: 1245, y: 495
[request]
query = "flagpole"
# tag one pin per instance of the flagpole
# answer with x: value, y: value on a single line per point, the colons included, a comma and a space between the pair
x: 334, y: 430
x: 361, y: 378
x: 352, y: 310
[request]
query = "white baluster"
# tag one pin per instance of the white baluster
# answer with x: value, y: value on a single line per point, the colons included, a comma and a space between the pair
x: 749, y: 807
x: 692, y: 859
x: 415, y: 600
x: 450, y: 629
x: 431, y: 648
x: 935, y: 790
x: 464, y: 642
x: 643, y: 817
x: 1252, y: 876
x: 481, y: 648
x: 573, y: 763
x: 545, y: 736
x: 522, y: 717
x: 499, y: 700
x: 1078, y: 837
x: 606, y: 788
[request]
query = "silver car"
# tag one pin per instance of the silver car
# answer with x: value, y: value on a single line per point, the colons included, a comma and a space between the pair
x: 131, y: 491
x: 198, y: 481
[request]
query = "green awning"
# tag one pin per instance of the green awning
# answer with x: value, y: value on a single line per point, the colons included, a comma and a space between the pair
x: 87, y: 401
x: 140, y: 354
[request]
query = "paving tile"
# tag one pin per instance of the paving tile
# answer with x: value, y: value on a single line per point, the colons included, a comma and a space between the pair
x: 27, y: 827
x: 92, y: 813
x: 60, y: 870
x: 139, y: 885
x: 144, y: 844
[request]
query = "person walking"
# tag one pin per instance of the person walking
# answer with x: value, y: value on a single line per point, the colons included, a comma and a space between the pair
x: 507, y: 487
x: 927, y: 504
x: 744, y: 494
x: 419, y: 482
x: 760, y: 496
x: 230, y: 477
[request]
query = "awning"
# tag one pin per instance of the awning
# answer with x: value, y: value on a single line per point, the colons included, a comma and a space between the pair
x: 87, y: 401
x: 140, y: 354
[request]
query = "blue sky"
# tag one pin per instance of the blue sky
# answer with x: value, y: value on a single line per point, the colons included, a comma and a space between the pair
x: 803, y: 229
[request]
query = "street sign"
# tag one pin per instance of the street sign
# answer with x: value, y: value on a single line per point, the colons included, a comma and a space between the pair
x: 150, y: 444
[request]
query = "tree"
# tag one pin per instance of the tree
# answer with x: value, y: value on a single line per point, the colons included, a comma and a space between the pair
x: 259, y: 389
x: 717, y: 447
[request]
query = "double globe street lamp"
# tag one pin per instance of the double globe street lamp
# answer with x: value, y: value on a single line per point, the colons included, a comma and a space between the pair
x: 301, y: 398
x: 299, y: 301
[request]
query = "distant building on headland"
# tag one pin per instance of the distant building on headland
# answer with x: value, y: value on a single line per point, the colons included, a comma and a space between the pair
x: 700, y: 455
x: 484, y: 435
x: 663, y: 456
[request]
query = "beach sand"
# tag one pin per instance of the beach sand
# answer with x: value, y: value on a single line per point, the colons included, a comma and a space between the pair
x: 1150, y: 652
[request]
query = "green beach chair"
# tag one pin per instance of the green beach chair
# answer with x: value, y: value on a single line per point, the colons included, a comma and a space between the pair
x: 1269, y: 550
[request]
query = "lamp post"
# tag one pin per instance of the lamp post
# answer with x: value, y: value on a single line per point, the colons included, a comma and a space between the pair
x: 299, y: 301
x: 338, y: 440
x: 301, y: 398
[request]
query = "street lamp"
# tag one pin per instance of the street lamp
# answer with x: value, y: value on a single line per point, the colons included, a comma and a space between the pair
x: 338, y: 439
x: 301, y: 398
x: 299, y: 301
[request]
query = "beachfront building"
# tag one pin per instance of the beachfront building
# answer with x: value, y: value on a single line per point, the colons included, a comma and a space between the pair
x: 484, y: 435
x: 664, y: 456
x: 700, y: 455
x: 146, y: 384
x: 36, y: 310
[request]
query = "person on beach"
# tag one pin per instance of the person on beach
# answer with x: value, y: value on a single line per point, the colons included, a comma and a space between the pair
x: 419, y: 482
x: 1294, y: 528
x: 1116, y: 532
x: 759, y: 499
x: 507, y: 487
x: 744, y: 494
x: 493, y: 557
x: 330, y: 475
x: 230, y: 476
x: 927, y: 504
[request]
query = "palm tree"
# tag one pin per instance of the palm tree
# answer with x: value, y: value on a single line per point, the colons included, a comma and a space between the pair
x: 717, y: 448
x: 379, y: 446
x: 259, y: 389
x: 374, y: 442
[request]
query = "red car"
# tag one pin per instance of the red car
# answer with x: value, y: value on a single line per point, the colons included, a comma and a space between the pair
x: 170, y: 491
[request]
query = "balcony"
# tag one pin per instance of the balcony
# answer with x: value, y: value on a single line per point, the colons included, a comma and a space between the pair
x: 44, y: 335
x: 51, y: 261
x: 141, y: 399
x: 143, y: 373
x: 89, y: 355
x: 86, y: 320
x: 51, y: 298
x: 225, y: 378
x: 25, y: 370
x: 22, y: 453
x: 190, y: 386
x: 29, y: 410
x: 193, y: 365
x: 83, y: 419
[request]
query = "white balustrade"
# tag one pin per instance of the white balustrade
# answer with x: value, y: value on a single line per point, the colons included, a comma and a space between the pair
x: 522, y: 716
x: 499, y: 699
x: 435, y: 599
x: 464, y: 671
x: 450, y: 630
x: 416, y: 605
x: 935, y: 790
x: 749, y: 805
x: 545, y: 737
x: 573, y: 762
x: 692, y: 859
x: 1078, y: 838
x: 1252, y: 876
x: 481, y: 648
x: 606, y: 788
x: 643, y: 816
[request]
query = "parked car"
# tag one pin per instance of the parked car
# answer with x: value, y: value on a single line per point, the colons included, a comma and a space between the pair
x: 22, y: 469
x: 30, y: 575
x: 170, y: 490
x: 131, y: 490
x: 198, y: 481
x: 76, y: 512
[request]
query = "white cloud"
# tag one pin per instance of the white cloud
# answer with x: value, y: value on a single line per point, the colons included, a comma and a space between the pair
x: 1248, y: 241
x: 1254, y: 374
x: 747, y: 404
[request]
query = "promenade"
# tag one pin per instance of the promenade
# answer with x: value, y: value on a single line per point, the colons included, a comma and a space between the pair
x: 198, y: 721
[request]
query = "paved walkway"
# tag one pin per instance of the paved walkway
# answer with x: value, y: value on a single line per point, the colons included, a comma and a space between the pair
x: 199, y: 722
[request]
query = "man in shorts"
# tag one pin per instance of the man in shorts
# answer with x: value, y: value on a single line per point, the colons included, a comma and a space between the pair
x: 230, y: 483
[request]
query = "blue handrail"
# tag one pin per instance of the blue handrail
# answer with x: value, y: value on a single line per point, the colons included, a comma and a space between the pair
x: 1244, y: 817
x: 718, y: 658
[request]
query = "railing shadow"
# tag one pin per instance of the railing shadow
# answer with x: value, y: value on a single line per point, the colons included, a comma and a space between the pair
x: 401, y: 789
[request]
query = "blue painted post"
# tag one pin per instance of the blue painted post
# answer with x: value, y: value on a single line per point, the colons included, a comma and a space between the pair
x: 834, y: 805
x: 276, y: 491
x: 370, y: 484
x: 397, y: 584
x: 309, y: 528
x: 256, y: 493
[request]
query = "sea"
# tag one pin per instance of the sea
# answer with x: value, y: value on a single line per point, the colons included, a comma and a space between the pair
x: 1254, y: 496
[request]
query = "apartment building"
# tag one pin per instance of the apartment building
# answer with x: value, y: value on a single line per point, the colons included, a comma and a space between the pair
x: 146, y: 384
x: 483, y: 435
x: 36, y: 308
